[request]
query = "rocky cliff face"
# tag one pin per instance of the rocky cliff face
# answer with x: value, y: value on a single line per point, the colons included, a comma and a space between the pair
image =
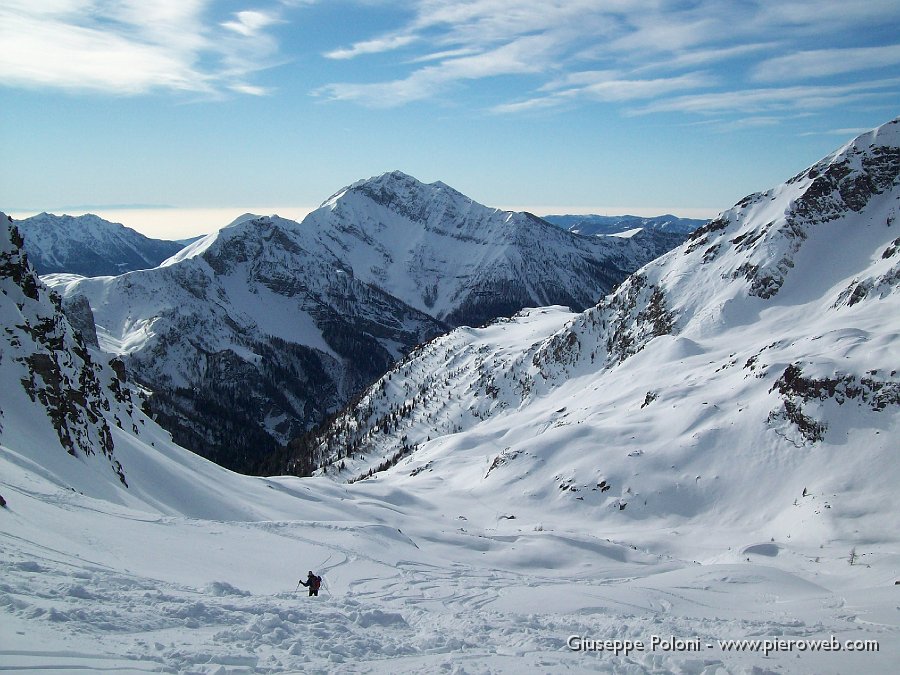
x: 51, y: 379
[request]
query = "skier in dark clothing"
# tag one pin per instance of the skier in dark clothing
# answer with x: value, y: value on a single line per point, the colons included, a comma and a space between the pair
x: 312, y: 583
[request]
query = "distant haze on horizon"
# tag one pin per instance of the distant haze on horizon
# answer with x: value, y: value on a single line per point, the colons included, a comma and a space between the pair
x: 691, y: 105
x: 184, y: 223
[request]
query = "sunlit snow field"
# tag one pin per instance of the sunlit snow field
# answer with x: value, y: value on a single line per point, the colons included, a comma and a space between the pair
x: 440, y: 580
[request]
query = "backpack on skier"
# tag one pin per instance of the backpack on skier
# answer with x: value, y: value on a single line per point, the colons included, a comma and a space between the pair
x: 313, y: 583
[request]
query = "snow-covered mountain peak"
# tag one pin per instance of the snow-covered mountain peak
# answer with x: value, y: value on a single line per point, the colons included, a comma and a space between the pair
x: 397, y: 188
x: 89, y: 245
x: 246, y: 228
x: 242, y: 219
x: 825, y: 235
x: 886, y: 135
x: 462, y: 262
x: 796, y: 287
x: 434, y: 205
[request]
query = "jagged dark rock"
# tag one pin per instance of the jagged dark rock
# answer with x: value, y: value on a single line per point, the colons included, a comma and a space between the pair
x: 58, y: 372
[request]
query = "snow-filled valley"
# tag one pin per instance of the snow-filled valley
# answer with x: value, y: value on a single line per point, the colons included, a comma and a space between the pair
x: 414, y: 582
x: 708, y: 455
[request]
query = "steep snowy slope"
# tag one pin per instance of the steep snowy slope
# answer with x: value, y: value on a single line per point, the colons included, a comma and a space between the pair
x: 744, y: 384
x: 89, y: 246
x: 465, y: 263
x: 253, y: 334
x: 248, y: 336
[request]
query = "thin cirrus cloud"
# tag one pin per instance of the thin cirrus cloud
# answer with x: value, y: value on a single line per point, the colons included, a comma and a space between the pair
x: 819, y: 63
x: 769, y: 100
x: 131, y: 47
x: 376, y: 46
x: 605, y: 86
x: 522, y: 55
x: 646, y: 52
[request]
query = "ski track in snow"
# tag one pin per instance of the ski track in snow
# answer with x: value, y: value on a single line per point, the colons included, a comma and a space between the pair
x: 388, y: 604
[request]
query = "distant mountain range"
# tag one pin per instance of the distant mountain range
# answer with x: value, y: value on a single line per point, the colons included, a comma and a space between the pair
x: 253, y: 334
x: 90, y: 246
x: 592, y: 225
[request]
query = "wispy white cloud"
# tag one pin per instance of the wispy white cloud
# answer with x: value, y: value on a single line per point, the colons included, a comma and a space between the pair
x: 441, y: 56
x: 644, y: 50
x: 637, y: 55
x: 132, y: 46
x: 605, y: 86
x: 820, y: 63
x: 775, y: 99
x: 249, y: 89
x: 376, y: 46
x: 691, y: 58
x: 754, y: 122
x: 523, y: 55
x: 250, y: 23
x: 63, y: 54
x: 615, y: 85
x: 847, y: 132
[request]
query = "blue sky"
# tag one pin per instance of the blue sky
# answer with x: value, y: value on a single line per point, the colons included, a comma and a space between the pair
x: 553, y: 106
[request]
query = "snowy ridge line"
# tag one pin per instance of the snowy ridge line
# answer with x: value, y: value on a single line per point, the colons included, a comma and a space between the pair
x: 89, y: 246
x: 248, y: 338
x: 699, y: 304
x: 596, y: 225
